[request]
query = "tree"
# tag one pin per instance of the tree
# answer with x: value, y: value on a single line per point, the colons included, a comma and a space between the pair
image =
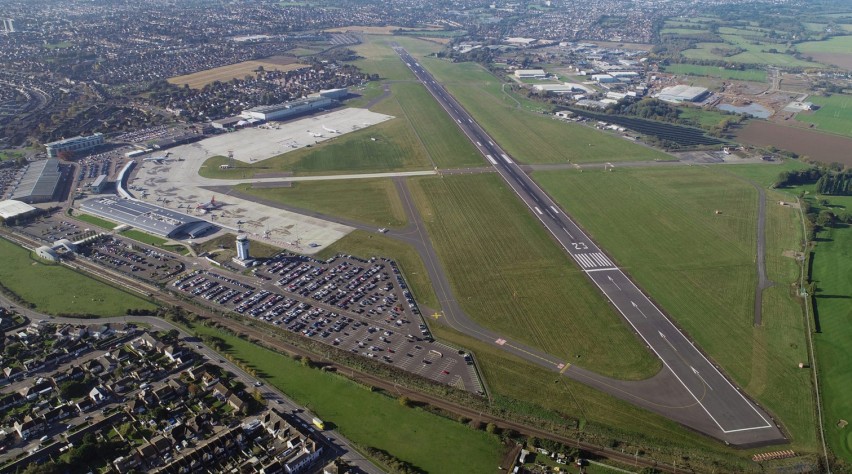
x: 490, y: 428
x: 404, y: 401
x: 825, y: 218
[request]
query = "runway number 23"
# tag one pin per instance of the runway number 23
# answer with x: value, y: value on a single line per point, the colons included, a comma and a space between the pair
x: 580, y: 246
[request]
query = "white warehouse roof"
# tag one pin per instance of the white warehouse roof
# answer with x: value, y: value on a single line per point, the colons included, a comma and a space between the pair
x: 11, y: 208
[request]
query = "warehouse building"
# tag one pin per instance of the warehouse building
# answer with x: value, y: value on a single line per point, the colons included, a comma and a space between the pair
x: 100, y: 184
x: 530, y: 74
x: 40, y: 182
x: 288, y: 109
x: 682, y: 93
x: 147, y: 217
x: 10, y: 209
x: 74, y: 144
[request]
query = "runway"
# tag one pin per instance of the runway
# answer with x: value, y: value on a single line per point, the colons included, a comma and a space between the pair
x: 689, y: 379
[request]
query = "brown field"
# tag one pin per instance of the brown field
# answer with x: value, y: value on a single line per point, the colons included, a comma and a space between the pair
x: 375, y: 30
x: 200, y: 79
x: 819, y: 146
x: 842, y: 60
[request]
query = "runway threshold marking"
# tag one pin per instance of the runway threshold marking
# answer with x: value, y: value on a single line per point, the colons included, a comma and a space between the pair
x: 491, y: 159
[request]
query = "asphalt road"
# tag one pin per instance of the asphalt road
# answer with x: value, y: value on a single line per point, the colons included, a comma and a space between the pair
x: 725, y: 413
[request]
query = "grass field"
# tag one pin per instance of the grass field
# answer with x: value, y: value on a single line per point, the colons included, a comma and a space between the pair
x: 524, y: 387
x: 702, y: 117
x: 699, y: 266
x: 832, y: 272
x: 380, y: 59
x: 432, y: 443
x: 55, y: 289
x: 528, y: 136
x: 508, y: 274
x: 227, y: 242
x: 834, y: 114
x: 396, y: 148
x: 722, y: 73
x: 200, y: 79
x: 364, y: 244
x: 371, y: 201
x: 443, y: 140
x: 144, y: 237
x: 94, y: 220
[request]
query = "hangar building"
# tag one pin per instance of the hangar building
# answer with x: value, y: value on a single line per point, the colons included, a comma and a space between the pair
x: 147, y: 217
x: 40, y: 182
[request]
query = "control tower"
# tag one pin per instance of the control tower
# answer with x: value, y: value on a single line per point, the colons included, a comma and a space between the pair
x: 243, y: 247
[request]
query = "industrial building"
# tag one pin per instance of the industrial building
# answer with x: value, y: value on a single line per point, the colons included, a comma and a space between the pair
x: 566, y: 88
x: 11, y: 209
x: 40, y: 182
x: 335, y: 94
x: 604, y: 78
x: 74, y: 144
x: 146, y: 217
x: 530, y: 74
x: 288, y: 109
x: 682, y: 93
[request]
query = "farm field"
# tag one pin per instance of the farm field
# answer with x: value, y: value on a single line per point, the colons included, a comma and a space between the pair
x: 371, y: 201
x: 753, y: 54
x: 703, y: 273
x: 530, y: 137
x: 835, y: 44
x: 239, y: 70
x: 508, y: 275
x: 819, y: 146
x: 713, y: 71
x: 432, y: 443
x: 366, y: 245
x: 55, y: 289
x: 834, y: 114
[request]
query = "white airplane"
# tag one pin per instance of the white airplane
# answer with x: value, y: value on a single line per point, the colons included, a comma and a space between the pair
x: 313, y: 134
x: 209, y: 206
x: 330, y: 130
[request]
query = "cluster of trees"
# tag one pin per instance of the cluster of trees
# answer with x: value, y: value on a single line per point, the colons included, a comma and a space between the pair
x: 90, y: 452
x: 654, y: 109
x: 833, y: 180
x: 393, y: 463
x: 836, y: 184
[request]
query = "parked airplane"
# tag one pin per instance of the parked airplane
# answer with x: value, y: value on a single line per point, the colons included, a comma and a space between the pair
x: 330, y: 130
x: 209, y: 206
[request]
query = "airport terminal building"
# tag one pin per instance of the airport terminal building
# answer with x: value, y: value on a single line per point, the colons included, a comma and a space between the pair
x: 288, y: 109
x: 147, y: 217
x: 74, y: 144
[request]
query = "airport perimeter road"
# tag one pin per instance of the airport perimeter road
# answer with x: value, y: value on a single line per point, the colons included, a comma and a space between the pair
x: 732, y: 417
